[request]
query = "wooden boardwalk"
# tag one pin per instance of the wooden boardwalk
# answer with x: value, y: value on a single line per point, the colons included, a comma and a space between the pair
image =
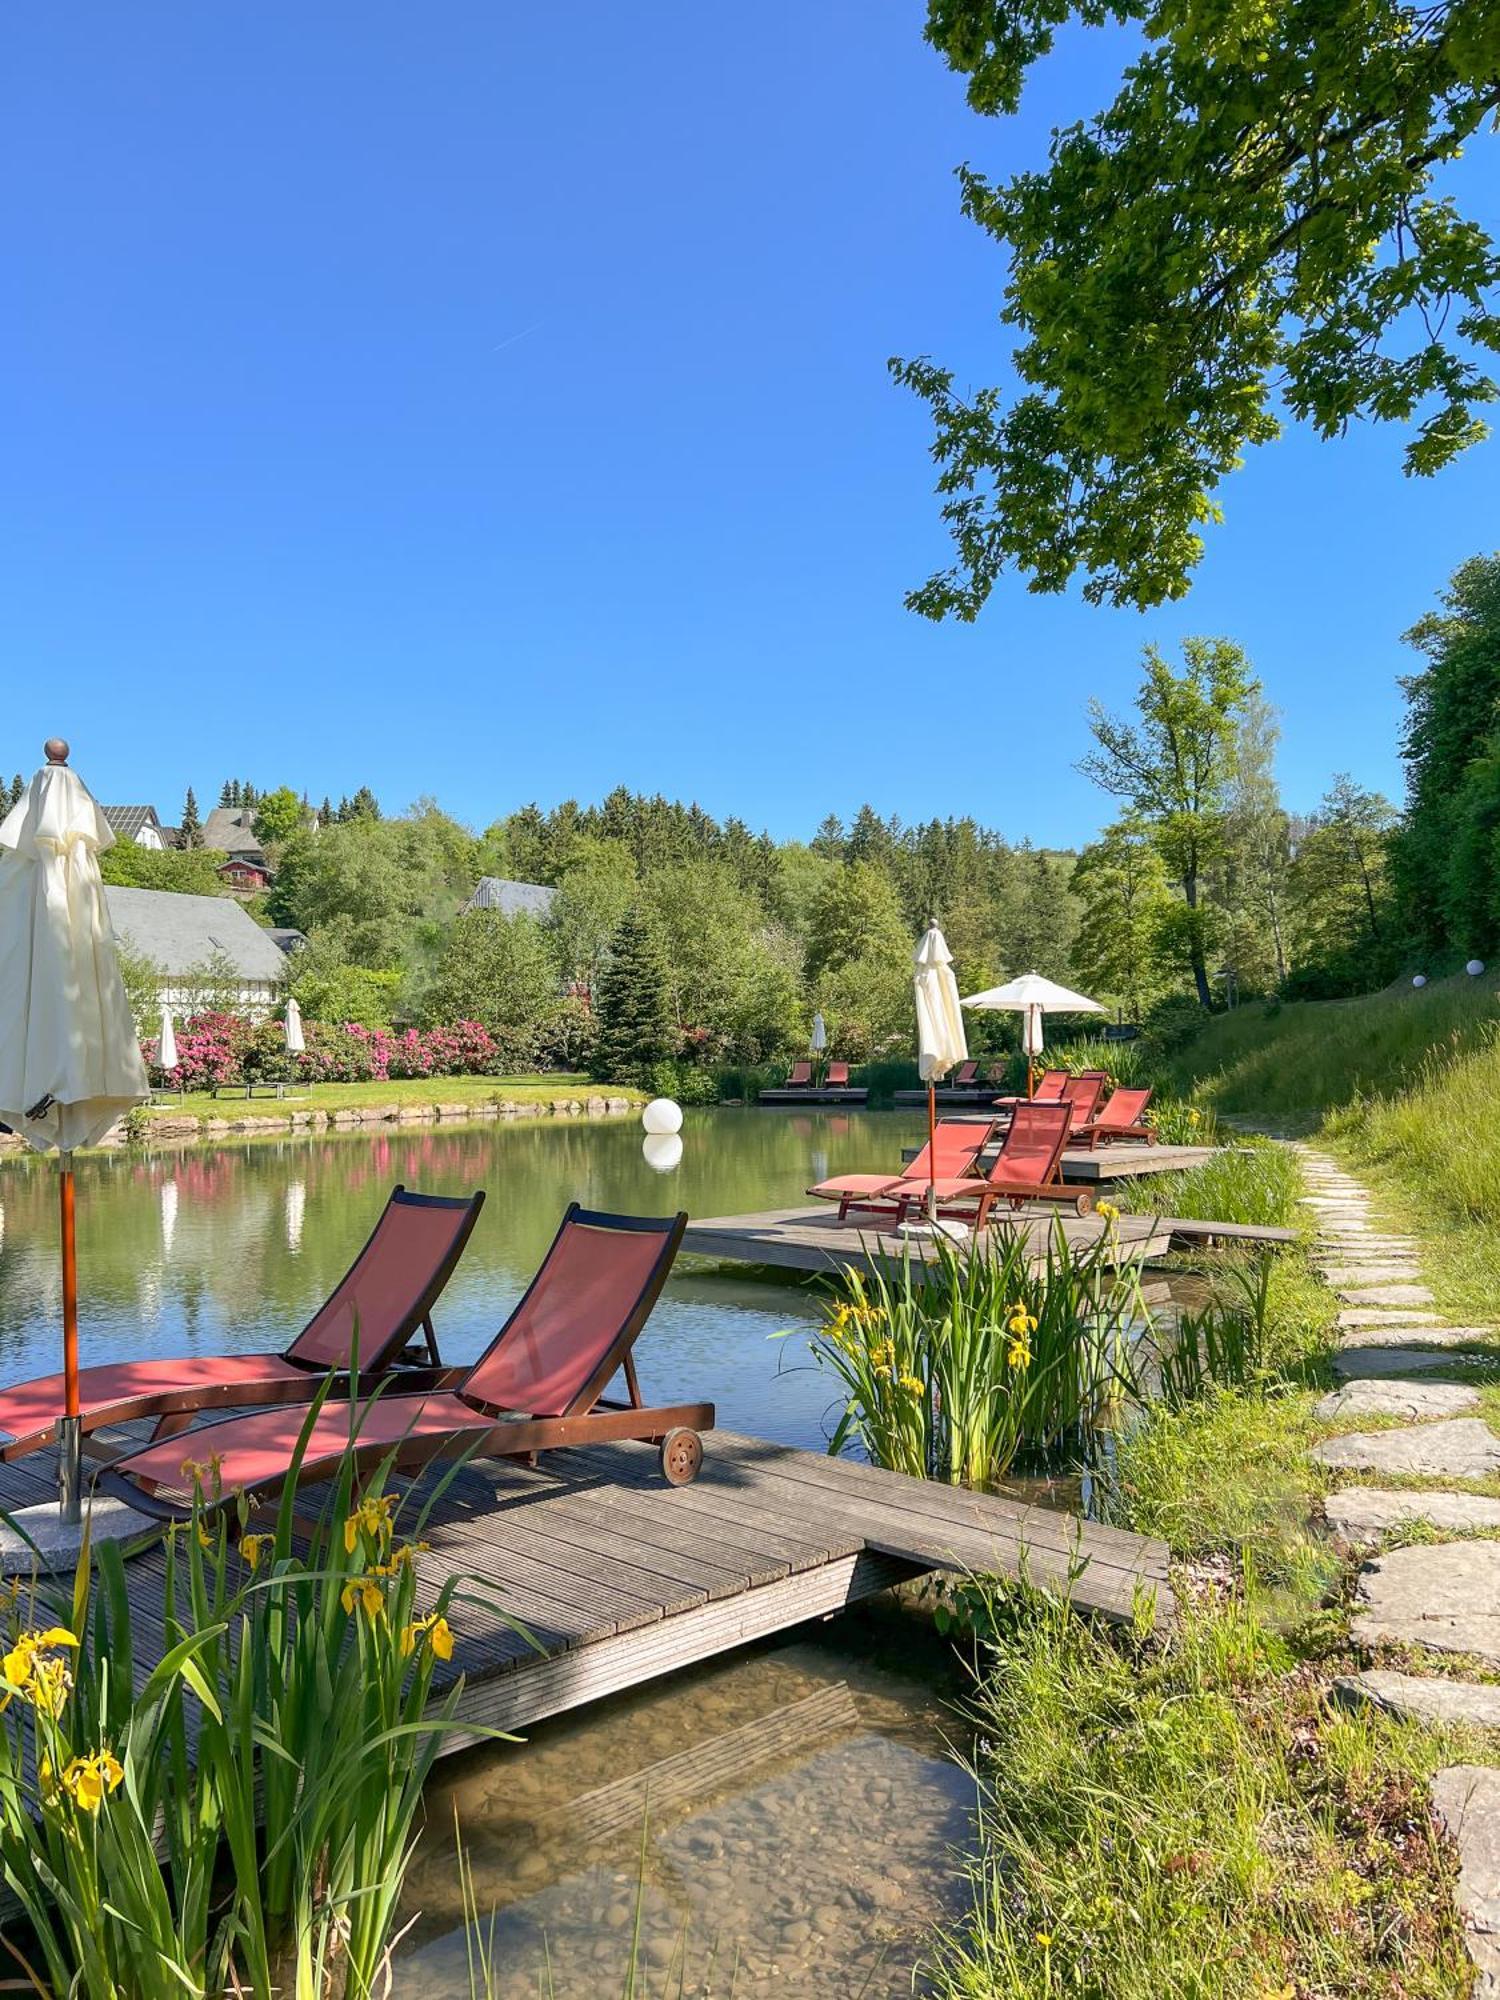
x: 617, y: 1578
x: 813, y: 1239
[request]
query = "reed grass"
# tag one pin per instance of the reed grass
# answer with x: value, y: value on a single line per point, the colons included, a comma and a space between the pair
x: 240, y: 1820
x: 1254, y: 1181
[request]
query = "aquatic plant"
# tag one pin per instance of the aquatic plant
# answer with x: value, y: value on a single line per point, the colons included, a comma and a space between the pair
x: 239, y: 1818
x: 949, y: 1370
x: 1254, y: 1181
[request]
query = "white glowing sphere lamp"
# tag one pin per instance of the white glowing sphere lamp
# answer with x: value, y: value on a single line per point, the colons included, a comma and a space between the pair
x: 662, y: 1151
x: 1419, y: 979
x: 1474, y: 967
x: 662, y: 1116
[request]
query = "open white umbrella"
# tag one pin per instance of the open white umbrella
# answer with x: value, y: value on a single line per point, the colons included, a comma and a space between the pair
x: 70, y: 1063
x: 1033, y: 997
x: 940, y: 1034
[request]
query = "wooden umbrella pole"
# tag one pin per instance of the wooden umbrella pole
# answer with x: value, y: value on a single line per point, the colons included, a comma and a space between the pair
x: 70, y: 1426
x: 931, y: 1151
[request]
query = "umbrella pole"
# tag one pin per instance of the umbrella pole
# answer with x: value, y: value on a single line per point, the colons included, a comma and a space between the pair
x: 932, y: 1152
x: 70, y: 1425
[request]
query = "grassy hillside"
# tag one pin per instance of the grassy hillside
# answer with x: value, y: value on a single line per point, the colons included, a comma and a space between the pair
x: 1407, y: 1084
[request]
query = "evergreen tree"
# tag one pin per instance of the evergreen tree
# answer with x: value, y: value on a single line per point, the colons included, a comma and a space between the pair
x: 191, y: 834
x: 17, y: 791
x: 325, y: 812
x: 633, y: 1007
x: 226, y: 794
x: 364, y: 805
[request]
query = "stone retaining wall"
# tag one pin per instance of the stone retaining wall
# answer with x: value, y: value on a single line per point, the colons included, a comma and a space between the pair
x: 166, y: 1129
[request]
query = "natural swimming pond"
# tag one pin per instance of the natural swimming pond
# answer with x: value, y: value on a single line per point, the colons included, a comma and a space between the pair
x: 785, y: 1819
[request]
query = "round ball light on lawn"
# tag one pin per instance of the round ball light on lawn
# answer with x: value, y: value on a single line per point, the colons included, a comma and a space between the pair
x: 662, y: 1116
x: 662, y: 1151
x: 1474, y: 967
x: 1419, y: 979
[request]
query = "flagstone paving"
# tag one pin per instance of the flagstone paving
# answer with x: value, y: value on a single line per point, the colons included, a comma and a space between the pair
x: 1361, y: 1515
x: 1396, y: 1398
x: 1444, y: 1596
x: 1363, y: 1364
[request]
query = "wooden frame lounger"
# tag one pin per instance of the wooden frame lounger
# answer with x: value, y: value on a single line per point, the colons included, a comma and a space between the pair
x: 539, y: 1385
x: 959, y: 1142
x: 1121, y: 1118
x: 1048, y: 1091
x: 1027, y: 1168
x: 384, y: 1301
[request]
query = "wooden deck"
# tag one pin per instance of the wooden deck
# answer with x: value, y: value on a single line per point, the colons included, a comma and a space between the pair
x: 782, y: 1098
x: 813, y: 1239
x: 1122, y: 1161
x: 617, y: 1577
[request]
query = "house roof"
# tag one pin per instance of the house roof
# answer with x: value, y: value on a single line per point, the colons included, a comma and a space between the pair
x: 182, y: 933
x: 511, y: 899
x: 287, y: 940
x: 127, y: 821
x: 256, y: 862
x: 231, y: 830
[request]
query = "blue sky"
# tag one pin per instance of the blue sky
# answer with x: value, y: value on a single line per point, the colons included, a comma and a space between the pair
x: 491, y: 402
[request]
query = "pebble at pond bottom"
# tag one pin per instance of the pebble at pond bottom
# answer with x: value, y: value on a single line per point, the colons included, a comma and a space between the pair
x: 789, y: 1821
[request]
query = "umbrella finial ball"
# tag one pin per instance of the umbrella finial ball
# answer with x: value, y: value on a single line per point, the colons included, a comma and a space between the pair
x: 56, y: 749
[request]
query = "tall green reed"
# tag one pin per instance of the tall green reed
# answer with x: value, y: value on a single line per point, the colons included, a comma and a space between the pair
x: 951, y: 1370
x: 238, y: 1817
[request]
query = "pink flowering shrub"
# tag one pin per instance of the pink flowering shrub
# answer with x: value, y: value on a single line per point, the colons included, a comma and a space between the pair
x: 222, y: 1048
x: 211, y: 1048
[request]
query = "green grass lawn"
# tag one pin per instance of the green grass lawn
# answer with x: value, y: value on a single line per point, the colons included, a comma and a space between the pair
x: 330, y: 1097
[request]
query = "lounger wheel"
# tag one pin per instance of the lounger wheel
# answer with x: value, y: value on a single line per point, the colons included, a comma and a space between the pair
x: 1084, y: 1203
x: 681, y: 1456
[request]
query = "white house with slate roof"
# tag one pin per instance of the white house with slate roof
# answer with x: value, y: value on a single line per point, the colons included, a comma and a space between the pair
x: 185, y: 937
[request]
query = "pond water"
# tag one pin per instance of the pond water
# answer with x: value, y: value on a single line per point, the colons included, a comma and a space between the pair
x: 785, y: 1819
x: 233, y: 1248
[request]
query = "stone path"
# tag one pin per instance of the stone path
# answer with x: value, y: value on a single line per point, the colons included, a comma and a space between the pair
x: 1441, y: 1596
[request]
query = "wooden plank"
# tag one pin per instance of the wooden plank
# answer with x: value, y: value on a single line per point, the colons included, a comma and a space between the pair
x: 535, y: 1688
x: 1189, y: 1232
x: 814, y: 1239
x: 1124, y: 1160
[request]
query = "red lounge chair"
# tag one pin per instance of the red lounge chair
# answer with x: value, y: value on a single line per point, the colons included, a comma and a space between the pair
x: 539, y: 1384
x: 799, y: 1077
x: 1025, y: 1169
x: 390, y: 1289
x: 964, y: 1077
x: 837, y: 1077
x: 1081, y: 1094
x: 1048, y: 1091
x: 958, y: 1146
x: 1121, y: 1118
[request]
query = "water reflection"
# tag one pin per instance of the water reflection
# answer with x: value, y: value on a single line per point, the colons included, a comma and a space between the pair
x: 233, y: 1248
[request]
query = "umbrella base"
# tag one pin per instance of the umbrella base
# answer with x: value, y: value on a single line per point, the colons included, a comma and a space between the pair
x: 930, y: 1232
x: 36, y: 1538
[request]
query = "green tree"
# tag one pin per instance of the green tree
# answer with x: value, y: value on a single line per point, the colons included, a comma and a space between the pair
x: 731, y: 982
x: 1122, y: 887
x: 1173, y: 767
x: 184, y: 872
x: 1451, y: 748
x: 857, y: 915
x: 278, y: 815
x: 190, y: 832
x: 1338, y: 889
x: 1256, y: 851
x: 596, y: 887
x: 633, y: 1007
x: 1254, y: 218
x: 496, y: 970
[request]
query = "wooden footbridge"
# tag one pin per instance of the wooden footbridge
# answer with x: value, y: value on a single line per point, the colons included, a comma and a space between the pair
x: 589, y: 1574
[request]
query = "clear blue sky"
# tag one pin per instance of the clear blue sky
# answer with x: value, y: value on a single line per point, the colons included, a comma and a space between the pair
x: 490, y: 402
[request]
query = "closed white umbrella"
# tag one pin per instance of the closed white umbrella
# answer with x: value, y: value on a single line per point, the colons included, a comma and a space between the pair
x: 70, y: 1063
x: 294, y: 1039
x: 1033, y: 997
x: 166, y: 1042
x: 940, y: 1034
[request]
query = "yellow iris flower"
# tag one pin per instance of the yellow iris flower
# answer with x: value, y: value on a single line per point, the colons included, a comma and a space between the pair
x: 88, y: 1781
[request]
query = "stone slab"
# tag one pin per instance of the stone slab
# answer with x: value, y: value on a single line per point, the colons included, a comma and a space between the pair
x: 1364, y: 1364
x: 1367, y: 1274
x: 1388, y: 1316
x: 1385, y: 1295
x: 1394, y: 1397
x: 1362, y: 1514
x: 1466, y: 1798
x: 1424, y: 1697
x: 56, y: 1544
x: 1458, y: 1448
x: 1407, y: 1335
x: 1443, y: 1595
